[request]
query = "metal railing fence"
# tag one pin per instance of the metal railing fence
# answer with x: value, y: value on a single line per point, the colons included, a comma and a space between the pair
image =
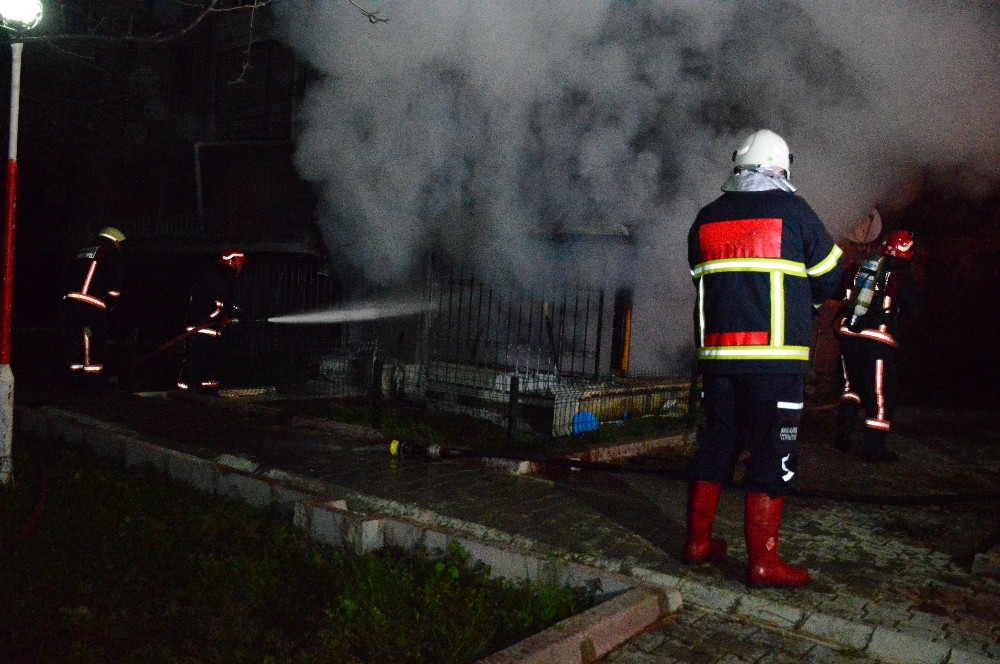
x: 505, y: 326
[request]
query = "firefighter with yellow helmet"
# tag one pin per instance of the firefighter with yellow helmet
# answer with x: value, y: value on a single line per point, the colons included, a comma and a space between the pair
x: 93, y: 290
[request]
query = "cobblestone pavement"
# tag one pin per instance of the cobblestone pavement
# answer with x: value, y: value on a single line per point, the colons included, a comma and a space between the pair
x: 698, y: 636
x: 891, y: 562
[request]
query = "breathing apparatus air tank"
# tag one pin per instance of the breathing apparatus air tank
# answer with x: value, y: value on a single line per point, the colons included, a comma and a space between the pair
x: 865, y: 283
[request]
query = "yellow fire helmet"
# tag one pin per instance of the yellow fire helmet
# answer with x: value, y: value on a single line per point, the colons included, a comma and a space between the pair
x: 112, y: 234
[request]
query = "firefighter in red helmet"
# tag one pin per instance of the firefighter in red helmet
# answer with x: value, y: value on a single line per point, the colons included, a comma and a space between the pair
x: 93, y: 285
x: 881, y: 291
x: 212, y: 309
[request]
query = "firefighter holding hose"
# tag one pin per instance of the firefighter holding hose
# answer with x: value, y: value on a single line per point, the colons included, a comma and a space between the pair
x: 211, y: 311
x: 762, y: 264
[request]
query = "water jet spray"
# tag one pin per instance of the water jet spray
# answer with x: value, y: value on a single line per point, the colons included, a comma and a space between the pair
x: 357, y: 312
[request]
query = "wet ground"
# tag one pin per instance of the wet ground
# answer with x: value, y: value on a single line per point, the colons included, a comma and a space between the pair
x: 894, y: 551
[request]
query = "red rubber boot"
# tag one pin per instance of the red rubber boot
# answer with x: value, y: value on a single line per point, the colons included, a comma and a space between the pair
x: 762, y: 520
x: 700, y: 547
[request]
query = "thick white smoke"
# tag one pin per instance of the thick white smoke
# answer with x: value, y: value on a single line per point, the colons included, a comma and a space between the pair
x: 474, y: 126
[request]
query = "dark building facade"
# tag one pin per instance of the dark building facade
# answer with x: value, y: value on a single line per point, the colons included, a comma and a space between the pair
x: 176, y: 127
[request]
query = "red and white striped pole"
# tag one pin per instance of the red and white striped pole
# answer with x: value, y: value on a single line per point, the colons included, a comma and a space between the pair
x: 7, y: 301
x: 6, y: 315
x: 16, y: 15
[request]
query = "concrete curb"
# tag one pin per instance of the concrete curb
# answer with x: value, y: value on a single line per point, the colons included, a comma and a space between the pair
x: 589, y: 635
x: 624, y: 609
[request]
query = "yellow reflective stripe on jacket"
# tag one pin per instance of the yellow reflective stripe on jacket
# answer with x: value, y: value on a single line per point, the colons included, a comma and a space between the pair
x: 754, y: 353
x: 827, y: 263
x: 777, y: 309
x: 793, y: 268
x: 777, y: 269
x: 701, y: 313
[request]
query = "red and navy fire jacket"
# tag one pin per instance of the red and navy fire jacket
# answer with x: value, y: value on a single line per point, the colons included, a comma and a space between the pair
x: 762, y: 263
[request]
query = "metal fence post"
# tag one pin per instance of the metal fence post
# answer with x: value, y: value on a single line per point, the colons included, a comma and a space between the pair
x: 375, y: 389
x: 512, y: 409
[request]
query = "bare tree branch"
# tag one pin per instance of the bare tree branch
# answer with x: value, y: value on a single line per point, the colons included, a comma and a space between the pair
x: 373, y: 17
x: 129, y: 36
x: 242, y: 78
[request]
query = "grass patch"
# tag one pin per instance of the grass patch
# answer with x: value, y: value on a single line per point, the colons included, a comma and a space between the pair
x: 127, y: 565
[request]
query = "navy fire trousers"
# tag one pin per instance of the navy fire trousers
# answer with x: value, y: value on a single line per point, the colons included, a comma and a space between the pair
x: 763, y: 412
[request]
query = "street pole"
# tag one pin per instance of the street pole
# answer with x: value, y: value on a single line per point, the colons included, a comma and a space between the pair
x: 16, y: 15
x: 7, y: 301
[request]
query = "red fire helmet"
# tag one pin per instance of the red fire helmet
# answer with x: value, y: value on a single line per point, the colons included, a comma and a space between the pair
x: 233, y: 259
x: 899, y: 244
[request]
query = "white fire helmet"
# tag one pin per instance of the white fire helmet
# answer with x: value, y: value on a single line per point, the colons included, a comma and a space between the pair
x: 763, y: 148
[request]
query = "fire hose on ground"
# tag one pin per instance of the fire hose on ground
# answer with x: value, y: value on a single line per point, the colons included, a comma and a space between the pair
x: 180, y: 338
x: 439, y: 452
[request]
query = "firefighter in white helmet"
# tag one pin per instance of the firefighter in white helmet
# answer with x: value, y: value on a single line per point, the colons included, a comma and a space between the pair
x: 212, y: 309
x: 762, y: 263
x: 93, y: 289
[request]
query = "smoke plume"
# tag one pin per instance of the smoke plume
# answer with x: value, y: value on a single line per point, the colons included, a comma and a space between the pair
x: 477, y: 127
